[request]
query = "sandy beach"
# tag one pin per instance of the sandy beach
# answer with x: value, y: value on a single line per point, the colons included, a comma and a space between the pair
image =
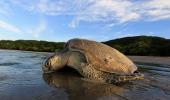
x: 151, y: 59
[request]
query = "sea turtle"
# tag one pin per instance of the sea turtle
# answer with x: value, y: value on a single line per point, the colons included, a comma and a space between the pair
x: 94, y: 60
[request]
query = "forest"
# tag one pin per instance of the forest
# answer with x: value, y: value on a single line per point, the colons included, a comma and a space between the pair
x: 142, y: 45
x: 31, y: 45
x: 137, y: 45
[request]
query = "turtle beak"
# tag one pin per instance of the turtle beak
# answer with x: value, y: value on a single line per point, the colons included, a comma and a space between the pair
x: 45, y: 69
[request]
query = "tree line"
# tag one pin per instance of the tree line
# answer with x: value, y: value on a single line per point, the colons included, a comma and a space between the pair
x: 138, y: 45
x: 142, y: 45
x: 31, y: 45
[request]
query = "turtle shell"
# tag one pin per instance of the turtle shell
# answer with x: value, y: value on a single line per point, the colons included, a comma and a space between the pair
x: 103, y: 57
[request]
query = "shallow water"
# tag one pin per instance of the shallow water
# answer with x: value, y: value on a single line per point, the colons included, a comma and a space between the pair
x: 21, y: 78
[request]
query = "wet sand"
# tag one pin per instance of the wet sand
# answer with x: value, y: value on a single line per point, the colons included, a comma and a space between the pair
x: 21, y: 78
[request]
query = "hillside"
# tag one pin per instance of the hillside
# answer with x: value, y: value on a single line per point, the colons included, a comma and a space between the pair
x: 31, y: 45
x: 142, y: 45
x: 138, y: 45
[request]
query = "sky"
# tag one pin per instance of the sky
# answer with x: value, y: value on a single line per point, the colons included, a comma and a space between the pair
x: 100, y: 20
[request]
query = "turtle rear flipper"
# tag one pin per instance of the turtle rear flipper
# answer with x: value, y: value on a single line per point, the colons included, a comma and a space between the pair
x: 123, y: 78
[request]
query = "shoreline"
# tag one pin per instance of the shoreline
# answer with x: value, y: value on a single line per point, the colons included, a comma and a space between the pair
x: 150, y: 59
x: 25, y: 51
x: 142, y: 59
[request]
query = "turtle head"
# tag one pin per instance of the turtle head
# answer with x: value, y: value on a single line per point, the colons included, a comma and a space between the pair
x: 54, y: 63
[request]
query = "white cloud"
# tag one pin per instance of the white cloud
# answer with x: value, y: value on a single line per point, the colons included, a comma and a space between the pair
x: 9, y: 27
x: 40, y: 28
x: 110, y: 11
x: 156, y: 9
x: 107, y: 11
x: 122, y: 34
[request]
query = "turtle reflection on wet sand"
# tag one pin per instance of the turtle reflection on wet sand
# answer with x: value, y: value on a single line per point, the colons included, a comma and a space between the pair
x: 86, y: 89
x: 95, y: 61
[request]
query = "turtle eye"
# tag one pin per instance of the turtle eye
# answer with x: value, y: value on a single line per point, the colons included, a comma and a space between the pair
x: 47, y: 64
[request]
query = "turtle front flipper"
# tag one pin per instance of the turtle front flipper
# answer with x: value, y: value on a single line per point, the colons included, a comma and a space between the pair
x: 76, y: 60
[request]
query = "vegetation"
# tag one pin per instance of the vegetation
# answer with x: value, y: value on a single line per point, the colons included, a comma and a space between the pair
x: 142, y: 45
x: 31, y: 45
x: 139, y: 45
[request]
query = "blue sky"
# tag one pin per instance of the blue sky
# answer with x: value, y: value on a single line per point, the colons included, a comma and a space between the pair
x: 100, y: 20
